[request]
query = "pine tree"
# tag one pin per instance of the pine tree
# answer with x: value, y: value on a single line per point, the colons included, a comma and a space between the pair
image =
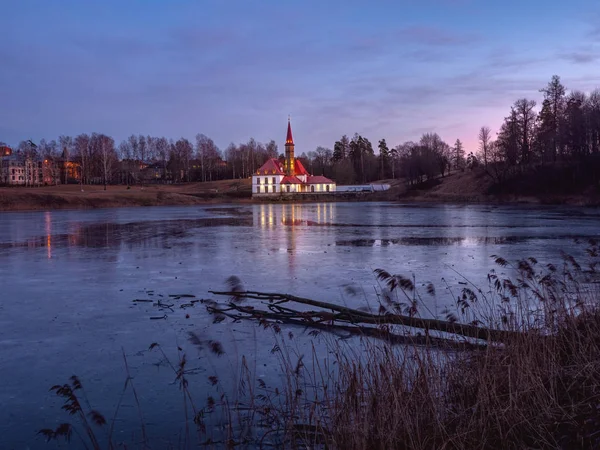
x: 458, y: 155
x: 545, y: 134
x: 341, y: 149
x: 574, y: 125
x: 384, y: 158
x: 508, y: 138
x: 526, y: 120
x: 555, y: 94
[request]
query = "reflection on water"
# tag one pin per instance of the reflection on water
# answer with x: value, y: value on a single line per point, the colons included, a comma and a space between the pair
x: 290, y: 220
x: 471, y: 240
x: 48, y: 229
x: 269, y: 216
x: 69, y: 278
x: 160, y: 233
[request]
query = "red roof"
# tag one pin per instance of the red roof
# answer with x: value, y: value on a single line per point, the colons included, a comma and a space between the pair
x: 289, y: 139
x: 271, y: 167
x: 291, y: 180
x: 318, y: 180
x: 299, y: 168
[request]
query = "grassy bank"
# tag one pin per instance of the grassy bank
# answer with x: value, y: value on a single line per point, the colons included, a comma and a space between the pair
x: 550, y: 186
x: 470, y: 186
x: 73, y: 197
x: 539, y: 389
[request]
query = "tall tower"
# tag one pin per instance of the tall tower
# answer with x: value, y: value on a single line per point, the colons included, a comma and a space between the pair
x: 289, y: 152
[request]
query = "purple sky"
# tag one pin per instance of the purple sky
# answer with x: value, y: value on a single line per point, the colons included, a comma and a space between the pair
x: 235, y: 69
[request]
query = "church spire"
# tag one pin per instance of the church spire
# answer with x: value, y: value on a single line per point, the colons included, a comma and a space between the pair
x: 290, y: 160
x: 289, y: 139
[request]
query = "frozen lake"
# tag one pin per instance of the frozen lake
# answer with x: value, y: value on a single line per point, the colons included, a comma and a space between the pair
x: 68, y: 278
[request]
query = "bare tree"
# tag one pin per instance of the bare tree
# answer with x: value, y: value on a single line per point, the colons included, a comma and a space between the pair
x: 484, y: 143
x: 232, y: 157
x: 208, y: 153
x: 162, y: 153
x: 108, y: 157
x: 82, y: 149
x: 49, y: 150
x: 182, y: 152
x: 272, y: 150
x: 66, y: 148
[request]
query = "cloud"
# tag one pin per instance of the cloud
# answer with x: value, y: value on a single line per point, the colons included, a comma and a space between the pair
x: 435, y: 36
x: 594, y: 29
x: 580, y: 57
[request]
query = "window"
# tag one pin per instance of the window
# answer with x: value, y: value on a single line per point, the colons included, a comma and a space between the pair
x: 327, y: 188
x: 274, y: 180
x: 312, y: 189
x: 288, y: 188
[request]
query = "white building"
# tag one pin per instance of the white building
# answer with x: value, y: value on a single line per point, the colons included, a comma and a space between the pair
x: 19, y: 170
x: 275, y: 177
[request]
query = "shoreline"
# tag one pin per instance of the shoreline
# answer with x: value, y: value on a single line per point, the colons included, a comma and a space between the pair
x: 40, y: 199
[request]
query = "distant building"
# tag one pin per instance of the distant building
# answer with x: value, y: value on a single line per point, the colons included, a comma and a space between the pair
x: 364, y: 188
x: 21, y: 170
x: 275, y: 177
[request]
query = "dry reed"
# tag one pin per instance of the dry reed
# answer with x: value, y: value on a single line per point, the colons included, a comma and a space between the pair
x: 540, y: 389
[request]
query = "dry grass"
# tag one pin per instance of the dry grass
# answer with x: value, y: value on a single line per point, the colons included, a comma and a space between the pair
x: 538, y: 390
x: 475, y: 186
x: 72, y: 197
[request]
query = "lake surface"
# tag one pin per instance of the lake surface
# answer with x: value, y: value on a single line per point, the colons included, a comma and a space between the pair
x: 68, y: 280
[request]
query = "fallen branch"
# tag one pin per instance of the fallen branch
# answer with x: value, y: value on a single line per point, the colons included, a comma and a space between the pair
x: 349, y: 330
x: 333, y: 316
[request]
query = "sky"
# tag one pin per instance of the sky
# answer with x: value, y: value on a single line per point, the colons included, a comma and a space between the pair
x: 235, y: 69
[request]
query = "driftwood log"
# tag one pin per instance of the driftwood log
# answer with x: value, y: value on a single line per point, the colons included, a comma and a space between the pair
x: 283, y: 308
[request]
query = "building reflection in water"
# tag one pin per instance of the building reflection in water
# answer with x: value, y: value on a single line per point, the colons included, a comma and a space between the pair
x: 288, y: 222
x: 48, y: 230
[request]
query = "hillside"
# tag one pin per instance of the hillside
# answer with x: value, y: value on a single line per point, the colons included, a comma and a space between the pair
x: 547, y: 185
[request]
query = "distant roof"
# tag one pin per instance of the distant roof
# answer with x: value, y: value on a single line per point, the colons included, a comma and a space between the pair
x: 291, y: 180
x: 318, y: 180
x: 299, y: 168
x: 271, y: 167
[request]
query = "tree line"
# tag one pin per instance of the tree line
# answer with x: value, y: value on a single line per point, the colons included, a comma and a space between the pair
x: 102, y: 161
x: 354, y: 160
x: 566, y: 128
